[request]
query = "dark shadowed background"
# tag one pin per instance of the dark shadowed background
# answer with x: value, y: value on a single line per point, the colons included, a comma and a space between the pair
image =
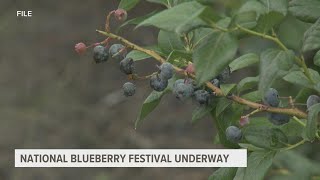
x: 53, y: 98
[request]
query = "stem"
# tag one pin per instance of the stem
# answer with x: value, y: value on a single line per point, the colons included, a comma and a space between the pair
x: 218, y: 92
x: 294, y: 145
x: 299, y: 121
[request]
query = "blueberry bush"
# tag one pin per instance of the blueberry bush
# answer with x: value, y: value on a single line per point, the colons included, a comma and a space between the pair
x: 201, y: 43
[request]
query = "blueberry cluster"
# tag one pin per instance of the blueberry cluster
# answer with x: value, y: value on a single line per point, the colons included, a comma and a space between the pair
x: 271, y: 98
x: 159, y: 81
x: 234, y: 134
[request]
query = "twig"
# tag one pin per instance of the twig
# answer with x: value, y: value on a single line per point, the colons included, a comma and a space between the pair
x: 218, y: 91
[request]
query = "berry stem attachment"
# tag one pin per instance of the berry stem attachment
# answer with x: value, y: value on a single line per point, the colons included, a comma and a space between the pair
x: 218, y: 91
x: 253, y: 112
x: 299, y: 121
x: 107, y: 25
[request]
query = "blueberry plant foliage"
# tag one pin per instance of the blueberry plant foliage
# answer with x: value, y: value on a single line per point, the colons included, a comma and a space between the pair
x: 201, y: 43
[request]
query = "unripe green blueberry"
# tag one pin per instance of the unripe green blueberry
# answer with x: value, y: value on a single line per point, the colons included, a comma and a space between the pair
x: 115, y: 53
x: 127, y: 66
x: 234, y: 134
x: 129, y: 89
x: 202, y: 96
x: 100, y: 54
x: 271, y: 97
x: 183, y: 89
x: 312, y: 100
x: 278, y: 119
x: 166, y: 71
x: 157, y: 83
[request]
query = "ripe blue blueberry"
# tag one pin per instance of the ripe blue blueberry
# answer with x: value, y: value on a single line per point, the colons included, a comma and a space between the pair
x: 233, y: 134
x: 127, y: 65
x: 312, y: 100
x: 215, y: 82
x: 166, y: 71
x: 224, y: 75
x: 271, y: 97
x: 157, y: 83
x: 115, y: 53
x: 100, y: 54
x: 129, y: 89
x: 202, y: 96
x: 278, y: 119
x: 183, y: 89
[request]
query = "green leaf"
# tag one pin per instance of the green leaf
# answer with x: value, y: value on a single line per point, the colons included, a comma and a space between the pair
x: 229, y: 116
x: 299, y: 78
x: 128, y: 4
x: 163, y: 2
x: 273, y: 64
x: 265, y: 137
x: 267, y: 21
x: 292, y: 37
x: 180, y: 19
x: 311, y: 40
x: 254, y: 96
x: 223, y: 173
x: 152, y: 102
x: 199, y: 113
x: 306, y: 10
x: 138, y: 55
x: 316, y: 58
x: 222, y: 105
x: 169, y: 41
x: 209, y: 17
x: 302, y: 170
x: 303, y: 95
x: 250, y: 147
x: 213, y: 55
x: 258, y: 165
x: 149, y: 105
x: 244, y: 61
x: 227, y: 88
x: 247, y: 83
x: 136, y: 21
x: 179, y: 58
x: 255, y: 6
x: 245, y: 19
x: 312, y: 122
x: 280, y: 6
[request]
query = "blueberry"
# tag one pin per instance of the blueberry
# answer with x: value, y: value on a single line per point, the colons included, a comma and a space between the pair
x: 127, y: 65
x: 166, y: 71
x: 202, y: 96
x: 215, y: 82
x: 271, y: 97
x: 312, y: 100
x: 158, y: 84
x: 100, y: 54
x: 224, y: 75
x: 183, y: 89
x: 129, y: 89
x: 278, y: 119
x: 233, y: 134
x: 115, y: 53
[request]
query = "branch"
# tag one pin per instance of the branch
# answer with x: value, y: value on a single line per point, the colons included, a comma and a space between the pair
x: 289, y: 111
